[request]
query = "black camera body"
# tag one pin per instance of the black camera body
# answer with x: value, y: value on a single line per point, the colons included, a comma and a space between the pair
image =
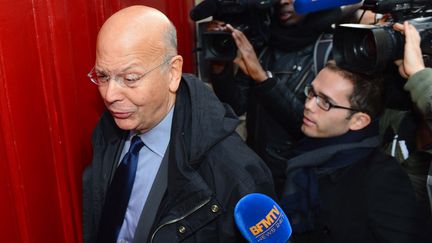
x: 252, y: 17
x: 218, y: 46
x: 370, y: 48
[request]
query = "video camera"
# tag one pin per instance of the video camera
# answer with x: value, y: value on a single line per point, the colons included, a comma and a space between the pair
x: 250, y: 16
x: 369, y: 48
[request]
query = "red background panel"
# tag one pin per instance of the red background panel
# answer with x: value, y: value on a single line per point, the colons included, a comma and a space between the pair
x: 49, y: 108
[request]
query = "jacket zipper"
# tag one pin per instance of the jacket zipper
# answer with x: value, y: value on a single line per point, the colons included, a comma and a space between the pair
x: 179, y: 218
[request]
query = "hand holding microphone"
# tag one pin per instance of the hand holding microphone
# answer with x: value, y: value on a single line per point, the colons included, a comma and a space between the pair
x: 260, y: 219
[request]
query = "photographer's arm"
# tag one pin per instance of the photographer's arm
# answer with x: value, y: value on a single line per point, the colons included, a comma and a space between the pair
x: 247, y: 59
x: 413, y: 60
x: 229, y: 87
x: 419, y: 82
x: 278, y: 100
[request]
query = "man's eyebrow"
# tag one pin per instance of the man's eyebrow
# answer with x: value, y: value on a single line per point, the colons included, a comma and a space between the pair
x: 129, y: 67
x: 322, y: 95
x: 101, y: 70
x: 327, y: 98
x: 98, y: 70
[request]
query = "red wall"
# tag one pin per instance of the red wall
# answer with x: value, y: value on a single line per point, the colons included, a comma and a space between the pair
x: 49, y: 108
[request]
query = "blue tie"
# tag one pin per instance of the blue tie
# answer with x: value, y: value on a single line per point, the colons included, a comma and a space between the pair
x: 118, y: 194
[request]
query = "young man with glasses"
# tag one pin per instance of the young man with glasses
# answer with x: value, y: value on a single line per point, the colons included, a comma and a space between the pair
x: 167, y: 164
x: 339, y: 186
x: 276, y: 74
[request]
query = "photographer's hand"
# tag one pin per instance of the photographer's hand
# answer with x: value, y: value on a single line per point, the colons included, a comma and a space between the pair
x: 215, y: 25
x: 247, y: 59
x: 413, y: 60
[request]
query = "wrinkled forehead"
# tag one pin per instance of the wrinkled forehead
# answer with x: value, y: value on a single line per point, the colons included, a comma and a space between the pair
x: 119, y: 48
x: 116, y: 56
x: 130, y: 37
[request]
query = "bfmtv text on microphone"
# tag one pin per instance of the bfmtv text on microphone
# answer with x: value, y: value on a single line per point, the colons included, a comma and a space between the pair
x: 260, y: 219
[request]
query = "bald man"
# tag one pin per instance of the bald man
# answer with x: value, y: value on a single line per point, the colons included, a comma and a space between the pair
x: 167, y: 164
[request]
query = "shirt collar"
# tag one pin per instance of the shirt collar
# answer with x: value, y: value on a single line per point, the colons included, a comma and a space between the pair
x: 157, y: 138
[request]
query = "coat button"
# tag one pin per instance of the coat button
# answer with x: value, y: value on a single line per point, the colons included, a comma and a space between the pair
x: 181, y: 229
x: 214, y: 208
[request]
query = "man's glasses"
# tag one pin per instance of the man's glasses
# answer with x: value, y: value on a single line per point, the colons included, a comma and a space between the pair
x: 126, y: 80
x: 323, y: 102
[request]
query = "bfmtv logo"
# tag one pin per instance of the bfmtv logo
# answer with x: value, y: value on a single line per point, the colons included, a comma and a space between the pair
x: 268, y: 225
x: 260, y: 219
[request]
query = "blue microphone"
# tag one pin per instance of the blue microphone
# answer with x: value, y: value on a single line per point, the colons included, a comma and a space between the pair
x: 260, y: 219
x: 309, y: 6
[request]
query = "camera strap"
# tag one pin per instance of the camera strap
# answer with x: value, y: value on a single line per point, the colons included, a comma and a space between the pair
x: 322, y: 51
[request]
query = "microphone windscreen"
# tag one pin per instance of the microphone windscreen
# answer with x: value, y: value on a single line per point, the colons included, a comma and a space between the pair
x: 260, y: 219
x: 309, y: 6
x: 203, y: 10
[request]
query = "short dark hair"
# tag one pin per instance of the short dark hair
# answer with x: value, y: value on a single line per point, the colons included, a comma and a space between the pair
x: 367, y: 95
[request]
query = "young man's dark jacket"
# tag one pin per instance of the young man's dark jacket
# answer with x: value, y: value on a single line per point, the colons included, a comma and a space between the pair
x: 209, y: 169
x: 344, y: 189
x: 270, y: 136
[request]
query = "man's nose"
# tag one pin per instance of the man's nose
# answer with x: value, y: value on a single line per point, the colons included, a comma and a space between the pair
x: 310, y: 103
x: 112, y: 91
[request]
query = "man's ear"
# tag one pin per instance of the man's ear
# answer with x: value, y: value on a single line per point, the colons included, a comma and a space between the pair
x: 359, y: 121
x: 175, y: 72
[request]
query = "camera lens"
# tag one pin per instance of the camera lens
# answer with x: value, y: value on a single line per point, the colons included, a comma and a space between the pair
x: 219, y: 46
x: 222, y: 45
x: 367, y: 47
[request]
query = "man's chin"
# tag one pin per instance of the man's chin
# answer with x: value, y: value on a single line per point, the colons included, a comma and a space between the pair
x: 304, y: 130
x: 124, y: 124
x: 291, y: 20
x: 307, y: 132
